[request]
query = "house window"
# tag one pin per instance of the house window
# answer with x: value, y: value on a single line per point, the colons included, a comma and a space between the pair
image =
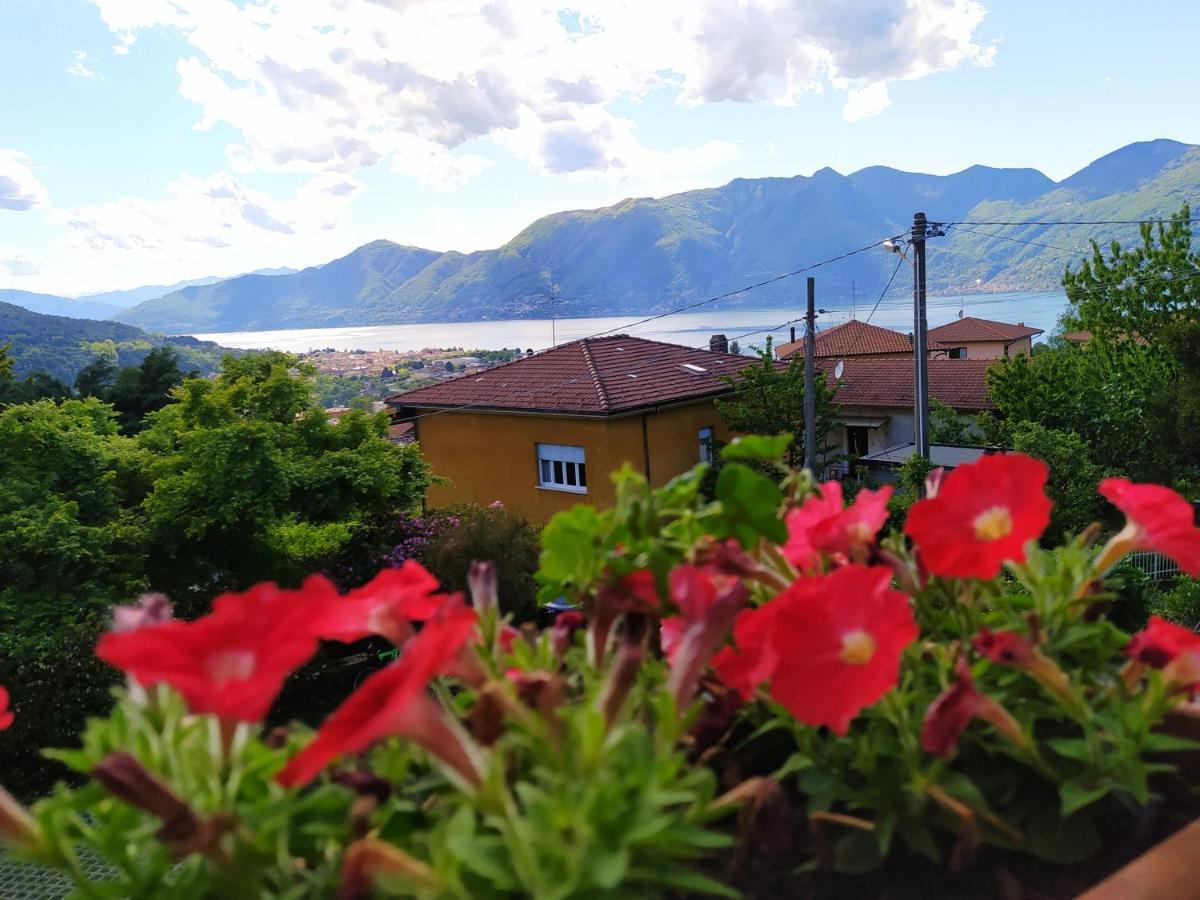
x: 561, y: 468
x: 706, y: 444
x: 856, y: 440
x: 958, y: 353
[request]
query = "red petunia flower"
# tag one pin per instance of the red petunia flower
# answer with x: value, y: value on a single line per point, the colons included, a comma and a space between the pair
x: 562, y: 633
x: 822, y: 526
x: 949, y: 715
x: 385, y: 606
x: 1157, y: 519
x: 394, y: 701
x: 984, y: 513
x: 6, y: 715
x: 752, y: 657
x: 231, y: 662
x: 830, y: 645
x: 799, y: 549
x: 1167, y: 646
x: 708, y: 601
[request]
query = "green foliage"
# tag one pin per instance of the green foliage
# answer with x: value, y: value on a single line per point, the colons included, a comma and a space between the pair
x: 465, y: 534
x: 947, y: 426
x: 251, y: 480
x: 1132, y: 394
x: 768, y: 398
x: 61, y: 346
x: 1073, y: 478
x: 1180, y: 603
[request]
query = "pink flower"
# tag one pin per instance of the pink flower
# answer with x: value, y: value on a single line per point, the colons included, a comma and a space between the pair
x: 950, y: 714
x: 385, y: 606
x: 708, y: 603
x: 821, y: 526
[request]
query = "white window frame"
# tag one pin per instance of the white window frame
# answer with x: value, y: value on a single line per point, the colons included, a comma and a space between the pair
x: 706, y: 436
x: 561, y: 467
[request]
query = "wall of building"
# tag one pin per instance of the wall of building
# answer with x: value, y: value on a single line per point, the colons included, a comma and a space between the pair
x: 486, y: 457
x: 992, y: 349
x: 897, y: 427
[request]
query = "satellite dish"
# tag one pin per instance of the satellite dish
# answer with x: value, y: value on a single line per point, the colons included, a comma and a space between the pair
x: 839, y: 369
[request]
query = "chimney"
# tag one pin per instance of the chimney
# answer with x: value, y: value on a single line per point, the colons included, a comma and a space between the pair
x: 910, y: 337
x: 718, y: 344
x: 793, y: 334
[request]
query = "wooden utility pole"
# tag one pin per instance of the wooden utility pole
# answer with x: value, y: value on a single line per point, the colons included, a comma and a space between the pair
x: 810, y: 399
x: 920, y: 341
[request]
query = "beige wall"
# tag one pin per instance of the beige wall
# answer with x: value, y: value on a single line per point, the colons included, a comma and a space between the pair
x: 493, y: 456
x: 989, y: 349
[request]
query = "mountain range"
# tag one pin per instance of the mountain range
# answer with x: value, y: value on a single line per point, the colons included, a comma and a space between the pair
x: 652, y: 254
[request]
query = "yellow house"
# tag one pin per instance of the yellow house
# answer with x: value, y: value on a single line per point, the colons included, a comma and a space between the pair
x: 973, y: 338
x: 544, y: 432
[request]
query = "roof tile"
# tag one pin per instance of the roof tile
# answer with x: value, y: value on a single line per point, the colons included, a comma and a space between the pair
x: 972, y: 330
x: 959, y: 383
x: 853, y: 338
x: 593, y: 376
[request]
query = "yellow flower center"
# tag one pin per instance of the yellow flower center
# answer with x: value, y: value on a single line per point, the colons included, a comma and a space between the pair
x: 857, y: 648
x: 993, y: 524
x: 859, y: 532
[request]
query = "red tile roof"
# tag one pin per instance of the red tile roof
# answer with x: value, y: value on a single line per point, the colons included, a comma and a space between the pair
x: 972, y: 330
x: 959, y: 383
x: 853, y: 338
x: 594, y: 376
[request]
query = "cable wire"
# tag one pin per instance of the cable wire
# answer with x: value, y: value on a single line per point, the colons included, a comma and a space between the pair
x: 886, y: 288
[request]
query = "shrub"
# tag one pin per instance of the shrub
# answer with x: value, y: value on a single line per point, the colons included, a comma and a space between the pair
x: 1180, y: 603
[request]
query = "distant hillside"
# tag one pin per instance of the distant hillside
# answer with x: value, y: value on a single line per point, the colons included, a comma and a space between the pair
x: 134, y: 296
x: 62, y: 345
x: 53, y: 305
x: 647, y: 255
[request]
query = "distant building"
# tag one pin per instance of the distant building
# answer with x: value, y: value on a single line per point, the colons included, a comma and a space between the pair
x: 852, y: 339
x: 543, y: 432
x: 875, y: 399
x: 973, y: 338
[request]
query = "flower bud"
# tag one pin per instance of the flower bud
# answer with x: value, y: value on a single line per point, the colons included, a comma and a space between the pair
x: 151, y: 609
x: 370, y: 860
x: 481, y: 579
x: 17, y: 827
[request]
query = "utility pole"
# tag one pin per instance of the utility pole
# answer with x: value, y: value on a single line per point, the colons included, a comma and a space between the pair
x: 810, y: 400
x: 920, y: 328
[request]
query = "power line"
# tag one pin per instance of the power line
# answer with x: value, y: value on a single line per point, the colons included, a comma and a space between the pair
x: 1093, y: 222
x: 743, y: 290
x: 886, y: 288
x: 1073, y: 251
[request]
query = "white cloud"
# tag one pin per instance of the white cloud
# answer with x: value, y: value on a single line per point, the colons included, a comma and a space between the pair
x: 866, y: 101
x: 215, y: 224
x: 20, y: 189
x: 337, y: 85
x: 79, y: 66
x: 17, y: 263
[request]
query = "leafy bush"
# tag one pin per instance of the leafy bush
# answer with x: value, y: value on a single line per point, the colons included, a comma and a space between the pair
x: 1180, y: 603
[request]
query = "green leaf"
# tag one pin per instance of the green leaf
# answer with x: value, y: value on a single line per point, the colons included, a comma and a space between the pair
x: 607, y: 870
x: 1072, y: 748
x: 1060, y: 840
x: 569, y: 549
x: 761, y: 448
x: 1158, y: 742
x: 1076, y: 796
x: 751, y: 504
x: 684, y: 880
x: 857, y: 851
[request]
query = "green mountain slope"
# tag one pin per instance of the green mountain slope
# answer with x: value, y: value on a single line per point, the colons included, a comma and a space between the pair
x: 53, y: 305
x: 62, y: 345
x: 648, y: 255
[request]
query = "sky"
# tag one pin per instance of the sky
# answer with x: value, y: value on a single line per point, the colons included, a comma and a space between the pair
x: 151, y: 141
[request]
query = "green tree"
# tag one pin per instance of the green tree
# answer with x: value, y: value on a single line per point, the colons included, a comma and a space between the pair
x: 1074, y: 475
x: 768, y: 398
x: 252, y: 481
x: 96, y: 378
x: 140, y: 390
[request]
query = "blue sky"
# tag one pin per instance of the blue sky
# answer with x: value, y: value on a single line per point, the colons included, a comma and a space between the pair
x: 149, y: 141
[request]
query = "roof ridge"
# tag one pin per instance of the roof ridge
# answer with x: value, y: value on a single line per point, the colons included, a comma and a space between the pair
x: 595, y: 373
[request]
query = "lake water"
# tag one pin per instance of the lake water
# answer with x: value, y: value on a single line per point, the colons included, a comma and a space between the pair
x: 748, y: 326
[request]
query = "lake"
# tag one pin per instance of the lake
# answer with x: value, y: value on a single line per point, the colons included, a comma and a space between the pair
x: 748, y: 326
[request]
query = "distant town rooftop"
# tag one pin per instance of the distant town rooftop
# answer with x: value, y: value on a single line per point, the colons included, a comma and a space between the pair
x: 853, y: 338
x: 976, y: 331
x: 959, y: 383
x: 599, y: 376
